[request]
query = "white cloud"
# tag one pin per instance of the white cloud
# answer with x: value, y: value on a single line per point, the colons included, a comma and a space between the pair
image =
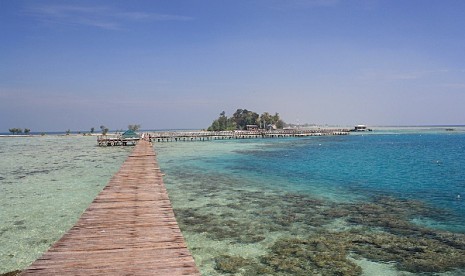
x: 454, y: 85
x: 97, y: 16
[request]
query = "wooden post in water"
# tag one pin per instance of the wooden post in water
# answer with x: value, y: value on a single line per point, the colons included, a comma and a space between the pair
x: 129, y: 229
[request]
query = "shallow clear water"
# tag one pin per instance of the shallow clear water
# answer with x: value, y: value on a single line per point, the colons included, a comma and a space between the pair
x: 45, y: 185
x: 238, y: 202
x: 425, y: 167
x: 390, y: 203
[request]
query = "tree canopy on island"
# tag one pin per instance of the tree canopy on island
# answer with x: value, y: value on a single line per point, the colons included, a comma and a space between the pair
x: 134, y: 127
x: 19, y: 131
x: 104, y: 129
x: 16, y: 130
x: 243, y: 117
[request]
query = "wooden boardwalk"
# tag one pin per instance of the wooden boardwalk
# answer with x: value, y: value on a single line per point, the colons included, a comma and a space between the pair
x: 183, y: 136
x: 129, y: 229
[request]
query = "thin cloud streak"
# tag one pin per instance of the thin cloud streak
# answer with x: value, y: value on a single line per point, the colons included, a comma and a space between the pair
x: 460, y: 86
x: 408, y: 75
x: 98, y: 16
x: 302, y: 4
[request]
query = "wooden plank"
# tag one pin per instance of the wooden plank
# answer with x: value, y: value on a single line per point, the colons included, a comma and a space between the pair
x: 129, y: 229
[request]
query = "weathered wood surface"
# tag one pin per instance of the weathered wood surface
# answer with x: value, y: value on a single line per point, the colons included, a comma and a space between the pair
x: 129, y: 229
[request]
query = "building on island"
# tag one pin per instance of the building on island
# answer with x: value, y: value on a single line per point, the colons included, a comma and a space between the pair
x: 361, y: 128
x: 252, y: 127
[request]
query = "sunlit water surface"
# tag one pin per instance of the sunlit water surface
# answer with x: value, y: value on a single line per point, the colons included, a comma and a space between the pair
x: 385, y: 203
x: 45, y: 185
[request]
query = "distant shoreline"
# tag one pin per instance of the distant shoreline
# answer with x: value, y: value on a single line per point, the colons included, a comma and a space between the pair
x: 2, y: 135
x: 84, y: 133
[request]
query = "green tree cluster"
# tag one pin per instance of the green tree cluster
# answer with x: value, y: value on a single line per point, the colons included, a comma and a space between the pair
x: 16, y: 130
x: 267, y: 120
x: 134, y: 127
x: 104, y: 129
x: 19, y: 131
x: 243, y: 117
x: 222, y: 123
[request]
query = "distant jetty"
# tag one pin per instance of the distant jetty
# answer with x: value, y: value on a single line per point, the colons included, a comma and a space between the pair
x: 116, y: 140
x: 128, y: 138
x: 186, y: 136
x: 181, y: 136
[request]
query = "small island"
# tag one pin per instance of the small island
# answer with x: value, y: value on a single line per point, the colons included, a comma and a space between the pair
x: 243, y: 124
x: 244, y: 119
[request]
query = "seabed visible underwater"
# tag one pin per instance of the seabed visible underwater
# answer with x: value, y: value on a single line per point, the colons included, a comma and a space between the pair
x: 378, y: 204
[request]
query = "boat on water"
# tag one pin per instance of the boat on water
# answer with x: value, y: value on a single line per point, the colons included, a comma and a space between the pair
x: 361, y: 128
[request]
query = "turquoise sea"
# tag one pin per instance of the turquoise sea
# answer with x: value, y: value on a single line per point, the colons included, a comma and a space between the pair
x: 390, y: 202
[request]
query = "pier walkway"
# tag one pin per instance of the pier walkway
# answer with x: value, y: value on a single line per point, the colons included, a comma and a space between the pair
x: 129, y: 229
x: 181, y: 136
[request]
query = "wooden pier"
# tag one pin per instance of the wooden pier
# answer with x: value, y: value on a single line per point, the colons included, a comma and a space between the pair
x: 129, y: 229
x: 106, y: 140
x: 182, y: 136
x: 185, y: 136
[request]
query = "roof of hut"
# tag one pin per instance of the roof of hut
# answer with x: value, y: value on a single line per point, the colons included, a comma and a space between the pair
x: 130, y: 134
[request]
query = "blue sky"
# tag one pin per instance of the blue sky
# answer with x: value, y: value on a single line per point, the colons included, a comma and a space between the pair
x: 178, y: 64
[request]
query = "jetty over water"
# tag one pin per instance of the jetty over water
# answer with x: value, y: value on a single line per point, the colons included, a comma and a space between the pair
x: 129, y: 229
x: 180, y: 136
x: 184, y: 136
x: 107, y: 140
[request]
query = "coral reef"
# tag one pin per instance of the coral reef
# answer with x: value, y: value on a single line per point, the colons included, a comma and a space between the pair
x: 326, y: 253
x: 411, y: 253
x: 230, y: 264
x: 320, y: 255
x: 317, y: 237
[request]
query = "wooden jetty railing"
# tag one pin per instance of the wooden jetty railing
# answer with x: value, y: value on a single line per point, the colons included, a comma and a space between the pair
x: 129, y: 229
x: 178, y: 136
x: 181, y: 136
x: 108, y: 140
